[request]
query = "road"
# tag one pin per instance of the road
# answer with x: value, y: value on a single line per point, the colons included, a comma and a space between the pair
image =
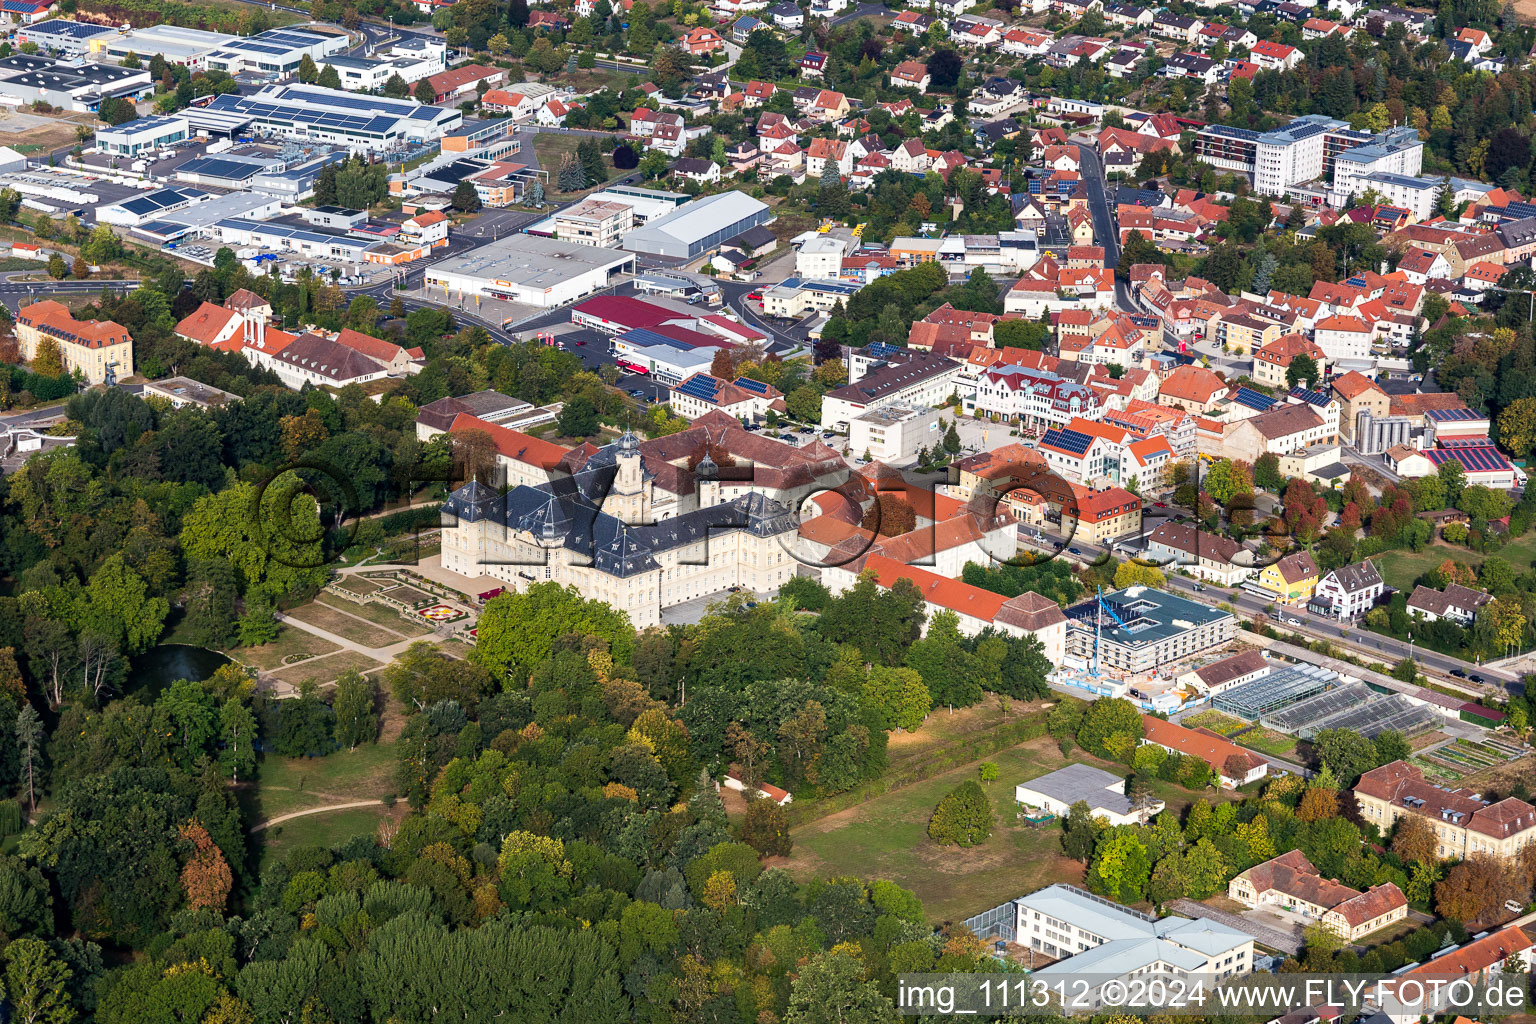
x: 1357, y: 641
x: 860, y: 11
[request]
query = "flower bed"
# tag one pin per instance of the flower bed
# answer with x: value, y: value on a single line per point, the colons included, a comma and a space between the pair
x: 440, y: 613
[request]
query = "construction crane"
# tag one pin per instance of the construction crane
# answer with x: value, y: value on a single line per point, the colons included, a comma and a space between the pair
x: 1098, y: 625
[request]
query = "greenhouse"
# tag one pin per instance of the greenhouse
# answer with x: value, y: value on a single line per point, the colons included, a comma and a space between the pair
x: 1262, y: 696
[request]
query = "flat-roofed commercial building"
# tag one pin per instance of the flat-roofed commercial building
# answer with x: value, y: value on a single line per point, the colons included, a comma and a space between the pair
x: 135, y: 137
x: 595, y: 222
x: 526, y: 268
x: 188, y: 47
x: 276, y: 52
x: 76, y: 85
x: 61, y: 36
x: 314, y: 113
x: 699, y: 226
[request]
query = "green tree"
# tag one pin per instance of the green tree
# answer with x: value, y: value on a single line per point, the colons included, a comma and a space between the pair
x: 831, y: 988
x: 29, y: 742
x: 328, y: 78
x: 1302, y: 372
x: 963, y: 817
x: 37, y: 984
x: 899, y: 695
x: 424, y: 93
x: 578, y: 418
x: 1078, y: 833
x: 1121, y: 867
x: 357, y: 721
x: 237, y: 739
x: 1106, y: 720
x: 307, y: 70
x: 465, y: 197
x: 517, y: 630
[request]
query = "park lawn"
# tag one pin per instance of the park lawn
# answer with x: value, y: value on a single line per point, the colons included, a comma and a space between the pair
x: 343, y: 623
x: 328, y: 829
x: 551, y: 148
x: 291, y: 640
x: 378, y: 614
x: 286, y: 784
x: 327, y: 669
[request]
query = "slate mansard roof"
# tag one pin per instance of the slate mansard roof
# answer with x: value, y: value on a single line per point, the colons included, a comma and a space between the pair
x: 566, y: 512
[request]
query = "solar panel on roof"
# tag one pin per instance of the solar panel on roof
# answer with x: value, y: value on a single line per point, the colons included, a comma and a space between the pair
x: 1073, y: 441
x: 757, y: 387
x: 1453, y: 414
x: 703, y: 387
x: 1310, y: 397
x: 1251, y: 399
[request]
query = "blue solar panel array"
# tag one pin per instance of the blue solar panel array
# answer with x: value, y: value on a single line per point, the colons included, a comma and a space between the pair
x: 72, y: 29
x: 757, y: 387
x: 1256, y: 400
x: 1453, y: 415
x: 1311, y: 397
x: 702, y: 386
x: 880, y: 350
x: 1073, y: 441
x: 1486, y: 460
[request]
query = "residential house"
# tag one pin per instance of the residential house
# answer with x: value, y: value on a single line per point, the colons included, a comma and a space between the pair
x: 1291, y: 883
x: 702, y: 40
x: 1207, y: 556
x: 1292, y: 579
x: 1348, y: 592
x: 910, y: 74
x: 1457, y: 603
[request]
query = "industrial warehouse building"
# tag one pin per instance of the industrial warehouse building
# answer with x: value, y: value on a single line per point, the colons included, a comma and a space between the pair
x: 528, y: 269
x: 314, y: 113
x: 76, y: 85
x: 697, y: 227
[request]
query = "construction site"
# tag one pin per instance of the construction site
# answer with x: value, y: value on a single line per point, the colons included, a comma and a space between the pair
x: 1131, y: 643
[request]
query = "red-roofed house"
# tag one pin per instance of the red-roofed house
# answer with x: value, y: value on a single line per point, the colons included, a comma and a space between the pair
x: 210, y: 324
x: 1290, y: 881
x: 449, y: 85
x: 1233, y: 765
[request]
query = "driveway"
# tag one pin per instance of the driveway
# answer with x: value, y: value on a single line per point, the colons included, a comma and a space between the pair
x: 1286, y: 940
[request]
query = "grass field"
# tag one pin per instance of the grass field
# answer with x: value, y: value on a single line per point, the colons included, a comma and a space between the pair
x: 290, y: 641
x: 551, y: 148
x: 887, y: 837
x: 321, y: 830
x: 286, y: 784
x: 335, y: 620
x: 1400, y: 568
x: 942, y: 728
x: 377, y: 614
x: 1215, y: 721
x: 1267, y: 741
x: 326, y: 669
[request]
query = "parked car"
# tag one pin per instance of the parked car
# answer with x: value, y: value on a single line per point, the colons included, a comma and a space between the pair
x: 1476, y: 678
x: 1458, y: 673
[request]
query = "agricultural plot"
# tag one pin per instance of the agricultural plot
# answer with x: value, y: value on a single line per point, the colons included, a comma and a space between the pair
x: 1462, y: 757
x: 1222, y: 725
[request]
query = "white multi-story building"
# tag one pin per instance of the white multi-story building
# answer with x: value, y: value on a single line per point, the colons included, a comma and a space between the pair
x: 1396, y: 151
x: 894, y: 433
x: 919, y: 380
x: 595, y: 222
x: 1348, y: 592
x: 1307, y: 149
x: 820, y: 258
x: 1033, y: 399
x: 1095, y: 938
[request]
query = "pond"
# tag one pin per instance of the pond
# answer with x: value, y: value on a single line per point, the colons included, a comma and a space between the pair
x: 161, y: 666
